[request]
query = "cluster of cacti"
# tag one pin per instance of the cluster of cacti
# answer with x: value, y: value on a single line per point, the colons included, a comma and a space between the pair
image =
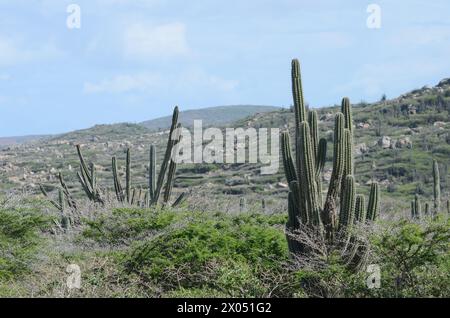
x: 333, y: 217
x: 133, y: 196
x: 88, y: 179
x: 415, y: 204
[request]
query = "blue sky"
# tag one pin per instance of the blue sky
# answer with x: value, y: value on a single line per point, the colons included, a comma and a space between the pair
x: 134, y: 60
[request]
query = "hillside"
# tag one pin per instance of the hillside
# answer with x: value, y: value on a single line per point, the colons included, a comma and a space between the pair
x: 395, y: 142
x: 211, y: 116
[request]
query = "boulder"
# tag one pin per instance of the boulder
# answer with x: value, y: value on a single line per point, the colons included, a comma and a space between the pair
x: 361, y: 149
x: 385, y: 142
x: 404, y: 142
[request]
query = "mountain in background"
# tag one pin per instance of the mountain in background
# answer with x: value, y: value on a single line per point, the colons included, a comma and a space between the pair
x: 17, y: 140
x: 218, y: 115
x: 211, y: 116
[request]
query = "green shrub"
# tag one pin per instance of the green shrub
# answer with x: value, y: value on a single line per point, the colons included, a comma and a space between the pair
x: 124, y: 224
x: 213, y: 252
x: 414, y: 259
x: 20, y: 230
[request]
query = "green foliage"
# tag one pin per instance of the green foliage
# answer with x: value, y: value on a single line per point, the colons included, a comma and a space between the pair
x: 126, y: 224
x: 212, y: 252
x: 19, y: 239
x: 414, y: 259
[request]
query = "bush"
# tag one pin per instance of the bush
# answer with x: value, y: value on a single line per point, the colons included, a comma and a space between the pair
x: 20, y: 230
x: 125, y: 223
x: 227, y: 254
x: 414, y: 259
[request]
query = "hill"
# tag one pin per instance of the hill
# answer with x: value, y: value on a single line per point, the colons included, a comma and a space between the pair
x: 395, y: 140
x: 211, y: 116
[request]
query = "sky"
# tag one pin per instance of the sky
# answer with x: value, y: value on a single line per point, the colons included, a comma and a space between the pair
x: 131, y: 61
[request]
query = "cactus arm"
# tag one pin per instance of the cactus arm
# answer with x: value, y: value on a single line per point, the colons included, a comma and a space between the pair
x: 330, y: 207
x: 360, y: 208
x: 417, y: 206
x: 54, y: 203
x: 308, y: 173
x: 117, y: 185
x: 152, y: 172
x: 167, y: 157
x: 347, y: 111
x: 321, y: 156
x: 373, y: 205
x: 289, y: 168
x: 169, y: 182
x: 179, y: 200
x: 128, y: 177
x: 297, y: 93
x: 347, y: 214
x: 312, y: 121
x: 70, y: 200
x: 83, y: 162
x: 436, y: 187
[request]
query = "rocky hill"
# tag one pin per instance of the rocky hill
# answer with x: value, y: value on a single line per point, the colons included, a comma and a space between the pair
x: 211, y: 116
x: 395, y: 142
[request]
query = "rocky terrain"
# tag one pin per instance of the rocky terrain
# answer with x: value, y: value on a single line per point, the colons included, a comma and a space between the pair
x: 395, y: 142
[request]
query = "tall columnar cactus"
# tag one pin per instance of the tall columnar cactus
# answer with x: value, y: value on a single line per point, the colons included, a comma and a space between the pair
x: 416, y: 208
x: 427, y: 209
x: 342, y: 208
x: 436, y: 187
x: 117, y: 185
x: 167, y: 157
x: 152, y: 173
x: 128, y: 177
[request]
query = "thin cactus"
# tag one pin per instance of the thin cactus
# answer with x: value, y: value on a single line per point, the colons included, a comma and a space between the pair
x: 87, y: 178
x: 416, y: 208
x: 427, y: 209
x: 436, y: 188
x: 117, y: 185
x: 373, y: 205
x: 128, y: 177
x: 167, y: 157
x: 152, y: 172
x: 180, y: 199
x: 360, y: 208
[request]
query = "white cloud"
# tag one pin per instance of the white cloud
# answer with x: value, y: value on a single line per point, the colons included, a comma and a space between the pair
x: 142, y: 41
x: 189, y: 80
x: 198, y: 78
x: 13, y: 52
x: 124, y: 84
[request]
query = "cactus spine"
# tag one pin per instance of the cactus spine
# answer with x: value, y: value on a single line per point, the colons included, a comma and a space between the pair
x: 342, y: 207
